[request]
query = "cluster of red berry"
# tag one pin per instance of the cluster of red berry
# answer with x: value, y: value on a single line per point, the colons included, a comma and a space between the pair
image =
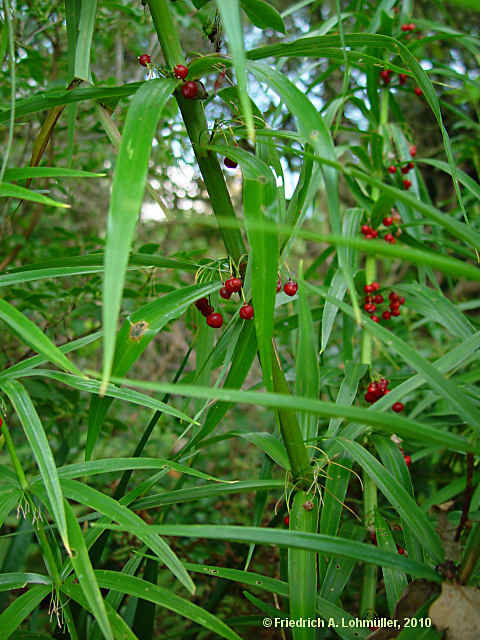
x: 392, y: 169
x: 234, y: 285
x: 377, y: 389
x: 408, y: 27
x: 371, y: 302
x: 394, y: 219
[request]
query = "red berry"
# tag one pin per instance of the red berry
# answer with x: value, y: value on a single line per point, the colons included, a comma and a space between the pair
x: 385, y: 75
x: 397, y: 407
x: 405, y: 169
x: 395, y: 304
x: 374, y: 233
x: 144, y: 59
x: 403, y: 78
x: 290, y: 288
x: 408, y: 460
x: 411, y: 26
x: 246, y: 312
x: 180, y: 71
x: 373, y: 387
x: 373, y: 538
x: 369, y: 236
x: 368, y: 288
x: 402, y: 300
x: 400, y: 550
x: 279, y: 284
x: 375, y: 286
x: 388, y: 221
x: 370, y: 397
x: 393, y: 296
x: 370, y: 307
x: 382, y: 385
x: 378, y: 299
x: 392, y: 169
x: 405, y: 27
x: 203, y: 306
x: 418, y: 92
x: 287, y: 520
x: 389, y: 238
x: 365, y: 229
x: 225, y: 293
x: 395, y: 312
x: 233, y: 284
x: 386, y: 315
x: 375, y: 318
x: 230, y: 164
x: 413, y: 150
x: 189, y: 90
x: 215, y: 320
x: 410, y: 165
x: 407, y: 184
x: 1, y: 422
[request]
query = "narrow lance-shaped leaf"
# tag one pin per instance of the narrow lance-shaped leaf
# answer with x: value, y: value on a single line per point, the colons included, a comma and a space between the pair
x: 41, y: 451
x: 126, y: 199
x: 36, y: 338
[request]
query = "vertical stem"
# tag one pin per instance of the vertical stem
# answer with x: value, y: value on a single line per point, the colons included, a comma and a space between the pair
x: 14, y: 458
x: 370, y: 275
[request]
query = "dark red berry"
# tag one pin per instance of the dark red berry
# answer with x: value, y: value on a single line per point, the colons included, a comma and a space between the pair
x: 386, y: 315
x: 388, y: 221
x: 225, y: 293
x: 369, y: 236
x: 382, y: 385
x: 189, y: 90
x: 1, y: 422
x: 395, y: 312
x: 385, y: 75
x: 411, y: 165
x: 286, y: 520
x: 402, y: 300
x: 395, y: 304
x: 203, y: 305
x: 374, y: 233
x: 418, y: 91
x: 375, y: 318
x: 405, y: 169
x: 397, y: 407
x: 246, y: 312
x: 279, y: 284
x: 373, y: 538
x: 405, y: 27
x: 378, y: 299
x: 290, y: 288
x: 233, y: 284
x: 413, y: 150
x: 408, y: 460
x: 229, y: 163
x: 403, y: 78
x: 144, y: 59
x: 215, y: 320
x: 368, y: 288
x: 373, y: 387
x: 400, y: 550
x: 392, y: 169
x: 370, y: 307
x: 365, y: 229
x: 389, y: 238
x: 412, y: 26
x: 393, y: 297
x: 375, y: 286
x: 370, y: 397
x: 180, y: 71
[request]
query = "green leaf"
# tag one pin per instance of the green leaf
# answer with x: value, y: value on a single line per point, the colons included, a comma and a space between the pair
x: 18, y: 580
x: 231, y: 18
x: 263, y: 15
x: 395, y: 581
x: 133, y: 523
x: 330, y: 545
x: 269, y: 444
x: 85, y: 574
x: 126, y: 199
x: 9, y: 499
x: 404, y: 427
x: 21, y: 608
x: 34, y: 337
x: 41, y: 452
x: 22, y: 173
x: 86, y: 25
x: 399, y: 498
x: 8, y: 190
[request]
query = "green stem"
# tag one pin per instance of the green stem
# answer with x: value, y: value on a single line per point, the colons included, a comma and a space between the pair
x: 290, y: 430
x: 471, y: 555
x: 196, y: 125
x: 370, y: 275
x: 369, y: 584
x: 14, y: 458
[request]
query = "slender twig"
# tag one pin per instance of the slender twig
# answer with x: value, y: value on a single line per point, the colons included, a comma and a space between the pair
x: 468, y: 496
x: 11, y: 52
